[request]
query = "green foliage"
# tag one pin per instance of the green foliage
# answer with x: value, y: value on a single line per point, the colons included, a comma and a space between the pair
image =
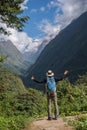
x: 80, y: 122
x: 11, y: 83
x: 12, y: 123
x: 10, y: 14
x: 17, y: 104
x: 33, y: 102
x: 82, y: 80
x: 72, y: 99
x: 15, y: 111
x: 1, y: 58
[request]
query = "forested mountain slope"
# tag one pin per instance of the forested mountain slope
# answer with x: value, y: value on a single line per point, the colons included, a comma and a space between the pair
x: 15, y: 60
x: 68, y: 50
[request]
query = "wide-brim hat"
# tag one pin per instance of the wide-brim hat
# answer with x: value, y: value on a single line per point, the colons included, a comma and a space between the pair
x: 49, y: 73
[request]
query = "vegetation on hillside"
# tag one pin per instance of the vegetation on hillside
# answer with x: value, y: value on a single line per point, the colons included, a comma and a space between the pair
x: 1, y: 58
x: 72, y: 99
x: 79, y: 122
x: 9, y: 52
x: 18, y: 105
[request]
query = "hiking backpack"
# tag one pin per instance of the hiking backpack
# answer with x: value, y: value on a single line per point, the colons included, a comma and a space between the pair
x: 51, y: 84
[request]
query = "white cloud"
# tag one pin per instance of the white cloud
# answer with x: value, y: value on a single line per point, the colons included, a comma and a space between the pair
x: 16, y: 39
x: 20, y: 39
x: 54, y: 3
x: 48, y: 28
x: 23, y: 42
x: 71, y: 10
x: 64, y: 13
x: 24, y: 5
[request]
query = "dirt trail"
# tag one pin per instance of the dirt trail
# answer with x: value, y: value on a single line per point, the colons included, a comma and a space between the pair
x: 44, y: 124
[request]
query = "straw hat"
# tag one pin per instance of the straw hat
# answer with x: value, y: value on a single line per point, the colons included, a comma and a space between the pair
x: 49, y: 73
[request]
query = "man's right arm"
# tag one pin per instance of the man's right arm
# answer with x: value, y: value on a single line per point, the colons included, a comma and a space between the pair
x: 40, y: 82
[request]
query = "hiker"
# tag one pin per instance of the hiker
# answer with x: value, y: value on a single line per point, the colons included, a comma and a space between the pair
x: 50, y: 82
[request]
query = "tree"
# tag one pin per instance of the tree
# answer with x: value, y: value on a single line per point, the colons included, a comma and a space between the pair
x: 10, y: 14
x: 1, y: 58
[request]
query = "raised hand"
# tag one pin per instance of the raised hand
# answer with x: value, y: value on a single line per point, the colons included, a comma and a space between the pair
x: 32, y: 78
x: 66, y: 72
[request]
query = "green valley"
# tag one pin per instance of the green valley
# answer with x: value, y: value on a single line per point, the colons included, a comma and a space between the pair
x: 19, y: 105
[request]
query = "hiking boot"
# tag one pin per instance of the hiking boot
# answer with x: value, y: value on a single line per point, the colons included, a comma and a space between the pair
x: 49, y: 118
x: 56, y: 118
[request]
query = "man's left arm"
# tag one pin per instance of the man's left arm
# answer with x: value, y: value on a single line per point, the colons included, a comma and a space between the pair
x: 64, y: 75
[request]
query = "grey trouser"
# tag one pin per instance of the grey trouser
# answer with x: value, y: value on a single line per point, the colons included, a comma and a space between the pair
x: 52, y: 96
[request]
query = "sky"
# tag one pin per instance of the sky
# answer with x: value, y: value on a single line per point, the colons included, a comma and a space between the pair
x: 47, y: 19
